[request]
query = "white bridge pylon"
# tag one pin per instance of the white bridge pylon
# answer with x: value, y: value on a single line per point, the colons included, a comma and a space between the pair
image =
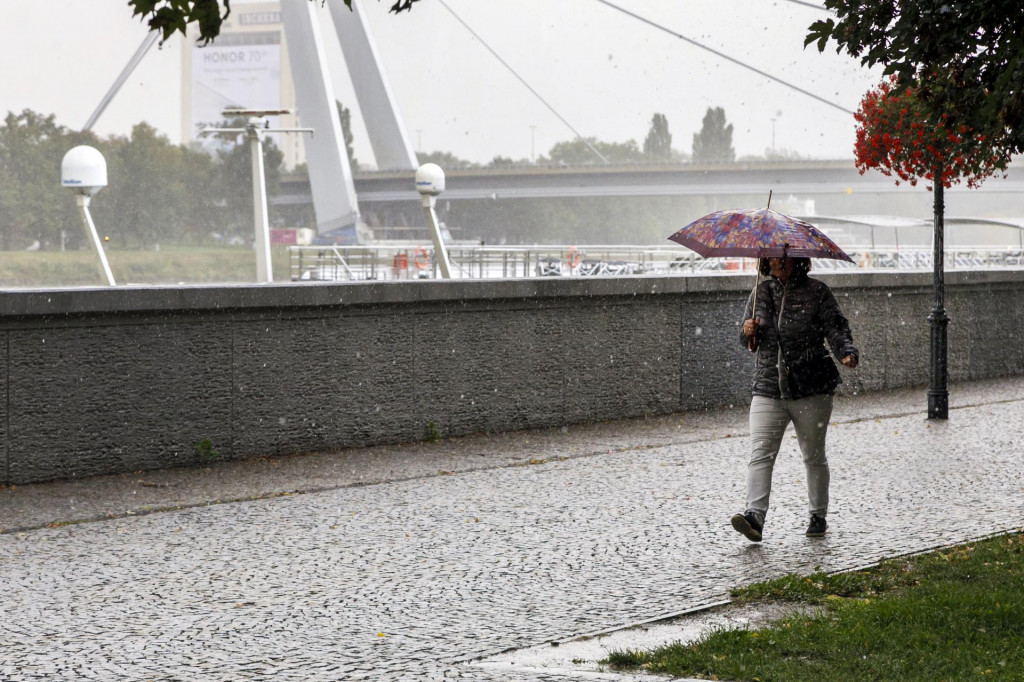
x: 330, y: 174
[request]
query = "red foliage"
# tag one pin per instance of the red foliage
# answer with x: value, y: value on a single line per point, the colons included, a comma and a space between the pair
x: 894, y: 136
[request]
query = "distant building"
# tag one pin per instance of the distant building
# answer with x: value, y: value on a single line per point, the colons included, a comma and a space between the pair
x: 246, y: 67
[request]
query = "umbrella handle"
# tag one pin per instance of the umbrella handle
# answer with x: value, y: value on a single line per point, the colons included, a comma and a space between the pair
x: 752, y: 341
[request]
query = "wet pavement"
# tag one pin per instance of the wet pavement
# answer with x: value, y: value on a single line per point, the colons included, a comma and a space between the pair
x: 412, y: 562
x: 581, y: 658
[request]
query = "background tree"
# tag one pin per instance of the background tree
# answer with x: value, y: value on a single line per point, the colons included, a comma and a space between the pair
x: 345, y: 115
x: 777, y: 154
x: 158, y: 191
x: 578, y: 152
x: 446, y: 160
x: 33, y: 205
x: 169, y: 16
x: 235, y: 177
x: 966, y: 59
x: 658, y: 144
x: 507, y: 162
x: 199, y: 215
x: 713, y: 144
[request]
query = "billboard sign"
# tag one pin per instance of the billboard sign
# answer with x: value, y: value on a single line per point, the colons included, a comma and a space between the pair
x: 236, y: 75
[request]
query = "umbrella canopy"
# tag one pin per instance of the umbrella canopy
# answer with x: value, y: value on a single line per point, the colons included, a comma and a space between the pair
x: 761, y: 233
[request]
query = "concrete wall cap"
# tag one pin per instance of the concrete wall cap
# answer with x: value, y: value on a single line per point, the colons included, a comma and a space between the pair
x: 89, y: 301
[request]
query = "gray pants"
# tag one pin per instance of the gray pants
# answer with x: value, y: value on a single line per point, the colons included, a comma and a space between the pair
x: 769, y: 418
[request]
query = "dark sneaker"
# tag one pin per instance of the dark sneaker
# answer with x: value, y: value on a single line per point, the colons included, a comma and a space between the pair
x: 747, y: 525
x: 817, y: 526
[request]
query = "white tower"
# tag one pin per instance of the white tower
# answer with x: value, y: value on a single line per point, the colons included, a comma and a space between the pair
x: 330, y: 175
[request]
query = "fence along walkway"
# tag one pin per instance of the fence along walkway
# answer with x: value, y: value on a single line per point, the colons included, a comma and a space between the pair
x: 416, y: 261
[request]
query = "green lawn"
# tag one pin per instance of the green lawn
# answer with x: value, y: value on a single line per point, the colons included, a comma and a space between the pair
x: 954, y: 614
x: 169, y: 265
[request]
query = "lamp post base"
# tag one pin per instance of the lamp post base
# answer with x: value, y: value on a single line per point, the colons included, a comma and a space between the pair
x: 938, y: 393
x: 938, y: 404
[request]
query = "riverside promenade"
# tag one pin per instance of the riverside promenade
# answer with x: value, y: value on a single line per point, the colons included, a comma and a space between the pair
x: 415, y: 561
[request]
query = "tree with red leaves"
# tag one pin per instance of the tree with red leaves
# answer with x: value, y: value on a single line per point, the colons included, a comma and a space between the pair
x: 902, y: 131
x: 974, y: 45
x: 900, y: 135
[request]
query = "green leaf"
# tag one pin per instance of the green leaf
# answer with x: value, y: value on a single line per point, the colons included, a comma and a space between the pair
x: 820, y: 31
x: 142, y: 6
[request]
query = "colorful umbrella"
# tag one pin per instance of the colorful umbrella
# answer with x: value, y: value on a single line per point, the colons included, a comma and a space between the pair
x: 761, y: 233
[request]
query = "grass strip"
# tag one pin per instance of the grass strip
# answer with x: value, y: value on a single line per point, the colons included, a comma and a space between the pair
x: 953, y: 614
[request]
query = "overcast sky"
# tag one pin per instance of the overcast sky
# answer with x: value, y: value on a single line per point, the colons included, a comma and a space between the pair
x: 604, y: 72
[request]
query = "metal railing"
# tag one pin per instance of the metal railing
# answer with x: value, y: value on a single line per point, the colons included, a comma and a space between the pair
x: 389, y: 262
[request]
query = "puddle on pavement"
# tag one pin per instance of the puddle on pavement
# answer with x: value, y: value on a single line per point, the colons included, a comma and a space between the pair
x: 579, y: 657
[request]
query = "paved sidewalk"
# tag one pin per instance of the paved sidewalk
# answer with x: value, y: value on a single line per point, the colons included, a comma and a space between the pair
x: 405, y: 562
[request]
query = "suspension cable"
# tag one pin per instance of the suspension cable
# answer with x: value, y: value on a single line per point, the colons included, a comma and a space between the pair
x: 523, y: 81
x: 808, y: 4
x: 727, y: 57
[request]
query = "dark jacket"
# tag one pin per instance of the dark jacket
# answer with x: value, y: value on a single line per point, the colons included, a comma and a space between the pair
x: 810, y: 317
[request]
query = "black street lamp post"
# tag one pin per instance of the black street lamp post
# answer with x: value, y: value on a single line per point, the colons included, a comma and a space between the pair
x: 938, y: 394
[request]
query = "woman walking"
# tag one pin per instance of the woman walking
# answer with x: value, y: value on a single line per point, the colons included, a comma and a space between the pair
x: 787, y: 326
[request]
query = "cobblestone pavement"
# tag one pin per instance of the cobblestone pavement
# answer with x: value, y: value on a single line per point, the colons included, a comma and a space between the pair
x: 408, y: 579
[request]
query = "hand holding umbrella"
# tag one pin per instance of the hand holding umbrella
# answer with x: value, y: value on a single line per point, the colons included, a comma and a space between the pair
x: 750, y: 331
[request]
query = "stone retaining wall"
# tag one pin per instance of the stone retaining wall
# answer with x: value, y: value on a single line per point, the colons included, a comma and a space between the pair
x: 110, y: 380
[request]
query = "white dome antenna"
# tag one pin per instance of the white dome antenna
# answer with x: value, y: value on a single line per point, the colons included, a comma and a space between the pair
x: 429, y: 179
x: 84, y: 171
x: 430, y: 183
